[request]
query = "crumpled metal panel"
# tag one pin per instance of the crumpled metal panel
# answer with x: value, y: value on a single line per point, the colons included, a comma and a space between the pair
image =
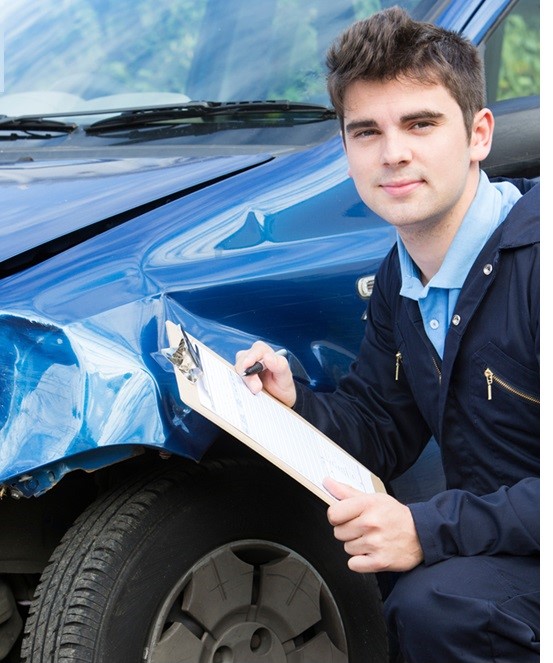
x: 82, y: 383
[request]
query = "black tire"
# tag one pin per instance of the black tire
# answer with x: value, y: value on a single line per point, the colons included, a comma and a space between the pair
x: 231, y: 562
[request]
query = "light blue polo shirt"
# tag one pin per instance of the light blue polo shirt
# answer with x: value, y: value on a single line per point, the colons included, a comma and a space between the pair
x: 437, y: 299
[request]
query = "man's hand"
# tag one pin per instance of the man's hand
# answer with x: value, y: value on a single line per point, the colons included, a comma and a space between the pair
x: 277, y: 377
x: 377, y: 530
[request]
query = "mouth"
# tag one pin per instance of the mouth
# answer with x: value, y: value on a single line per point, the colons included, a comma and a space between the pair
x: 402, y: 188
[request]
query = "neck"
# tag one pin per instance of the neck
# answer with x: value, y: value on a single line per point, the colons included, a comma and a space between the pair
x: 428, y: 249
x: 428, y: 242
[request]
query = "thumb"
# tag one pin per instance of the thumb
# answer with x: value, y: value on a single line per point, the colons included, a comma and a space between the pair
x: 340, y: 490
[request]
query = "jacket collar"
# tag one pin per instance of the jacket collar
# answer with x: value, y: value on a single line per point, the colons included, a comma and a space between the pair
x: 522, y: 225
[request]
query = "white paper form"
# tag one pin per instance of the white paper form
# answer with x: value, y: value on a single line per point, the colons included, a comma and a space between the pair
x: 277, y: 429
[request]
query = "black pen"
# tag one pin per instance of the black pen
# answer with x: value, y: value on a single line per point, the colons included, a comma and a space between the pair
x: 260, y: 366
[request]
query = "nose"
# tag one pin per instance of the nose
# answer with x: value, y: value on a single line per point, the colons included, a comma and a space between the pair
x: 395, y: 149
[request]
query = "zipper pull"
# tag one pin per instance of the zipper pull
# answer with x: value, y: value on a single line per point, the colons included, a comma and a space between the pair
x: 398, y: 362
x: 489, y: 380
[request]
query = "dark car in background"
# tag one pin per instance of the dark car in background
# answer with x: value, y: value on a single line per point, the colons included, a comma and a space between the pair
x: 178, y: 160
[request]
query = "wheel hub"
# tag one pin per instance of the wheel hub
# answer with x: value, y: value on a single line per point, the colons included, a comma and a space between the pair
x: 249, y: 642
x: 248, y: 602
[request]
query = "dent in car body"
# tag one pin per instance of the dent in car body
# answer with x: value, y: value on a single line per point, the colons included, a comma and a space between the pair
x: 81, y: 374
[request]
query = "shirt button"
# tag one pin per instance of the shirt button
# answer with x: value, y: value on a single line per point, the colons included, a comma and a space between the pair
x: 487, y: 269
x: 434, y: 324
x: 456, y: 319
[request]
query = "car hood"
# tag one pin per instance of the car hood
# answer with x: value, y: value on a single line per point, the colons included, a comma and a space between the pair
x: 43, y: 201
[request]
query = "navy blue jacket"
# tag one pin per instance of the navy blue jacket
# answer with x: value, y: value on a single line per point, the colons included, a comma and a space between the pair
x: 481, y: 403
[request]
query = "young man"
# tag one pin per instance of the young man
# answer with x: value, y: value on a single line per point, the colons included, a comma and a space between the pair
x: 451, y: 349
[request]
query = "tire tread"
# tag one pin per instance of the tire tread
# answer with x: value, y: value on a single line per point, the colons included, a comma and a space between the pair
x: 65, y: 615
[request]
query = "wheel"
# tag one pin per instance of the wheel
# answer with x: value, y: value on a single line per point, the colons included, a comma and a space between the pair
x: 231, y: 562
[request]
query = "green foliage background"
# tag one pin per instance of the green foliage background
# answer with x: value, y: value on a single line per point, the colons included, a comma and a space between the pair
x: 520, y: 70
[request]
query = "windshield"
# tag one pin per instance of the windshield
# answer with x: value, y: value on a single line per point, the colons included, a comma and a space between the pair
x: 63, y: 56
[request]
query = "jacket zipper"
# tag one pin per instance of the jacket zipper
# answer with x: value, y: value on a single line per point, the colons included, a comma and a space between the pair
x: 399, y: 359
x: 438, y: 371
x: 491, y: 378
x: 398, y: 362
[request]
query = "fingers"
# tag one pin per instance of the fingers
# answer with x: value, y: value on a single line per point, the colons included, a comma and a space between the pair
x: 340, y: 490
x: 259, y: 352
x: 378, y: 532
x: 351, y: 505
x: 367, y: 564
x: 276, y: 378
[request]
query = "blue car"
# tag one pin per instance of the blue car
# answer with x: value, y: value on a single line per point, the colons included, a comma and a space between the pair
x: 178, y: 161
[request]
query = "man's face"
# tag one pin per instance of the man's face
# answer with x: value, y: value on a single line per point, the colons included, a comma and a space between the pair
x: 409, y: 154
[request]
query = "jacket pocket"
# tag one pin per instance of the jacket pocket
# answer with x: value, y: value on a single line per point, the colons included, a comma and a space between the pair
x: 495, y: 377
x: 494, y: 380
x: 504, y: 413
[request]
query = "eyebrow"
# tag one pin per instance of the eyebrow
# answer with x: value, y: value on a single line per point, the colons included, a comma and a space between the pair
x: 404, y: 119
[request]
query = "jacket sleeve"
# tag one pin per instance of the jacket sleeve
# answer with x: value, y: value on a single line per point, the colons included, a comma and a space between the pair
x: 456, y: 522
x: 371, y: 414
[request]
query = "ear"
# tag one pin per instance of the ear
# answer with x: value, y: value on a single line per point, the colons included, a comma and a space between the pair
x: 481, y: 137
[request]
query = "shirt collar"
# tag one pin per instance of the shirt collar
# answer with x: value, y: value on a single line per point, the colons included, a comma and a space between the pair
x: 490, y: 206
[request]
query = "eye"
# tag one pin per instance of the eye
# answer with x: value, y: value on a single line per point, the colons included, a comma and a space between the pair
x: 423, y: 124
x: 365, y: 133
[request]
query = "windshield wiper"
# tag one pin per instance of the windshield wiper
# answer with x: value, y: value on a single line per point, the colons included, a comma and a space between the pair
x: 33, y: 126
x: 268, y: 112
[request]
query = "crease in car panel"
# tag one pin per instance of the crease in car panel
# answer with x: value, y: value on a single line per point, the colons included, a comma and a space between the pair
x: 54, y: 247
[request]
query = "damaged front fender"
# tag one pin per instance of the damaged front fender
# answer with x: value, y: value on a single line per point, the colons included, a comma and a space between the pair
x: 72, y: 398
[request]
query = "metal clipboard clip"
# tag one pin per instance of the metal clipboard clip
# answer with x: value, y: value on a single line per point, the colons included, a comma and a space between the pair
x: 186, y: 358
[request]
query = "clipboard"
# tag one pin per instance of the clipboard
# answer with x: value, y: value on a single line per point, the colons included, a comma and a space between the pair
x: 210, y: 385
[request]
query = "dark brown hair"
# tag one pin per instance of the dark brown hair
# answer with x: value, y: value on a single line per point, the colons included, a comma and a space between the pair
x: 390, y: 45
